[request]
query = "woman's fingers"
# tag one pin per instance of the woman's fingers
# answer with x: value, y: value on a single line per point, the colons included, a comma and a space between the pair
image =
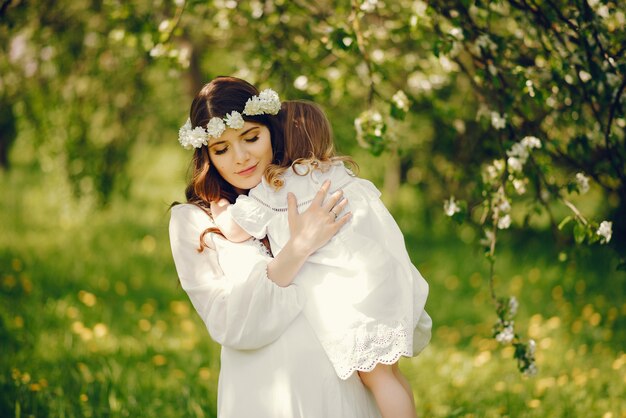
x: 292, y: 208
x: 339, y: 207
x: 332, y: 200
x: 342, y: 221
x: 320, y: 196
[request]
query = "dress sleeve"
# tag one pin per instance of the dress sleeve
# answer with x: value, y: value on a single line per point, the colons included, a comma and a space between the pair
x: 251, y: 215
x: 244, y: 312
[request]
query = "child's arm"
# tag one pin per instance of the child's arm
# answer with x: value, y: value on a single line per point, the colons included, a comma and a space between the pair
x: 227, y: 225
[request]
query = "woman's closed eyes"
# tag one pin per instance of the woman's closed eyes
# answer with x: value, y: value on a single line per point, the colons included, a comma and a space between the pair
x: 223, y: 150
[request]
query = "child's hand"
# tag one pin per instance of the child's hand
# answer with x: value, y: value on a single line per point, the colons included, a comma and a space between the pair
x: 229, y: 228
x: 219, y: 207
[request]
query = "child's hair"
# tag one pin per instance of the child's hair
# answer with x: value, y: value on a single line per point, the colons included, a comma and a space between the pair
x: 308, y: 141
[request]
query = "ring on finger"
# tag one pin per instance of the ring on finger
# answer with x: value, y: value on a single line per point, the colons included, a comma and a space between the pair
x: 334, y: 213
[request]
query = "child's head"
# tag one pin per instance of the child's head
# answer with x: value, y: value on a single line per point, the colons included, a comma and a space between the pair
x: 307, y: 139
x: 307, y: 132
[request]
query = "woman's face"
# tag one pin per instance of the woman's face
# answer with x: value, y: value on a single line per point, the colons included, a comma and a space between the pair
x: 242, y: 155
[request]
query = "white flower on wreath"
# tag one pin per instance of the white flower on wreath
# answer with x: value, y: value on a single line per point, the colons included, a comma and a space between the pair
x: 234, y: 120
x: 605, y: 231
x: 267, y: 102
x: 215, y: 128
x: 192, y: 138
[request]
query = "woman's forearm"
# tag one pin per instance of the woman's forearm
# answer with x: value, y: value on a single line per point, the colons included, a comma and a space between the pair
x: 284, y: 267
x: 309, y: 231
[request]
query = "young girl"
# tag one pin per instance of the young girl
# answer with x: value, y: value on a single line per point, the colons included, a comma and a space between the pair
x: 363, y: 297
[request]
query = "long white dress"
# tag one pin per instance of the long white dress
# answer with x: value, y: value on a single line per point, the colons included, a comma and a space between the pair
x: 272, y: 365
x: 364, y: 298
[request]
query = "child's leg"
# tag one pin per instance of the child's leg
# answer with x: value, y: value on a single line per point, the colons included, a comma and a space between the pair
x: 405, y: 383
x: 390, y: 392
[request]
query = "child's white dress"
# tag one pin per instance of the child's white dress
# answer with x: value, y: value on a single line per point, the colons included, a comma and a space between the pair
x: 364, y: 298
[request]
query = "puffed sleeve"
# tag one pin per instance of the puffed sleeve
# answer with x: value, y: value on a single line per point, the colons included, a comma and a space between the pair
x: 243, y: 312
x: 251, y: 215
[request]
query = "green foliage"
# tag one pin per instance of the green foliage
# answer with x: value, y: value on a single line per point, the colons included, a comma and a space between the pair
x: 94, y: 323
x: 452, y: 97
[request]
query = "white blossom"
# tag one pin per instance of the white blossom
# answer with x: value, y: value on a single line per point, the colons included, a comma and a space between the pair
x: 301, y: 82
x: 531, y: 142
x: 506, y: 335
x: 520, y: 186
x: 401, y: 101
x: 234, y: 120
x: 369, y: 6
x: 504, y: 205
x: 513, y: 305
x: 515, y: 164
x: 485, y: 42
x: 498, y: 121
x: 504, y: 222
x: 583, y: 183
x: 518, y: 150
x: 605, y: 231
x: 450, y: 207
x: 367, y: 123
x: 531, y: 347
x: 456, y: 33
x: 216, y: 127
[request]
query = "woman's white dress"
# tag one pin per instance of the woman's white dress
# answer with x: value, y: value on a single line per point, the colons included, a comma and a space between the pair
x: 364, y: 298
x: 272, y: 365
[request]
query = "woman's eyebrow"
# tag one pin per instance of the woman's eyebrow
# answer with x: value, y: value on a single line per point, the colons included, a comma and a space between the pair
x: 248, y: 130
x: 216, y: 143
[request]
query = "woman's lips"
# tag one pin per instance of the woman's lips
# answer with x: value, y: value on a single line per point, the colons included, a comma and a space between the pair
x: 246, y: 172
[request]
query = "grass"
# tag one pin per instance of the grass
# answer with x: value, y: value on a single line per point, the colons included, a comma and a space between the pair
x: 94, y: 324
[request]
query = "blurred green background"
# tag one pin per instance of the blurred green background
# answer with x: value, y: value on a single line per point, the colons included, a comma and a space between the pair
x: 93, y: 321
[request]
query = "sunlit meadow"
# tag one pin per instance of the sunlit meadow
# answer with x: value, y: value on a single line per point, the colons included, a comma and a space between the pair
x: 93, y: 322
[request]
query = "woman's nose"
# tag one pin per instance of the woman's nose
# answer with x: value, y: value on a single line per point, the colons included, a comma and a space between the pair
x: 242, y: 154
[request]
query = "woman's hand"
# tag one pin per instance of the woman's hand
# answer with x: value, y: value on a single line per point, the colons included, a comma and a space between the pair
x: 314, y: 227
x: 309, y: 230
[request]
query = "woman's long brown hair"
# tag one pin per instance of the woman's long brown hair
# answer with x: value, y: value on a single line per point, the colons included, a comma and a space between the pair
x: 216, y: 99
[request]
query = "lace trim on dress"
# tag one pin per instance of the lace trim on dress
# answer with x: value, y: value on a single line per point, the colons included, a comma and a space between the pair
x: 362, y: 348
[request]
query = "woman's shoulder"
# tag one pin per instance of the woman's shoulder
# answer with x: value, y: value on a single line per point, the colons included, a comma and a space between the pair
x: 190, y: 213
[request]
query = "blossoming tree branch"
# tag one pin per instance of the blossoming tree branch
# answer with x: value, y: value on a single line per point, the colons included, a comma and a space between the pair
x: 510, y: 113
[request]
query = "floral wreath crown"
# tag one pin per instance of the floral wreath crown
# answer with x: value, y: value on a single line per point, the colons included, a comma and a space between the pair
x: 267, y: 102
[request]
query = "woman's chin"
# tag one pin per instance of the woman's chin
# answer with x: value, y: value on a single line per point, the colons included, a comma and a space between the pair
x: 247, y: 183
